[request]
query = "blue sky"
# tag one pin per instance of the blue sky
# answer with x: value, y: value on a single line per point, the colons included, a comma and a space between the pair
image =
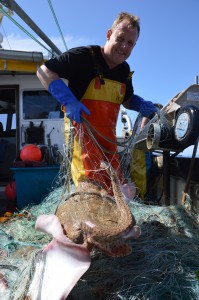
x: 165, y: 59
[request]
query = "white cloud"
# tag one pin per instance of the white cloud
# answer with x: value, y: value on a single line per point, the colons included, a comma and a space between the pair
x: 17, y: 42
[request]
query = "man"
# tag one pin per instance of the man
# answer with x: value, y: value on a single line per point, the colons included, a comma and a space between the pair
x: 99, y: 81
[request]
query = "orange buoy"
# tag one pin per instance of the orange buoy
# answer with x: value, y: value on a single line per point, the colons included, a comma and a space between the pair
x: 30, y: 152
x: 10, y: 190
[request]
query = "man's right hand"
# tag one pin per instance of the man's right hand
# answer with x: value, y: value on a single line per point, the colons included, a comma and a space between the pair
x: 74, y: 110
x: 60, y: 91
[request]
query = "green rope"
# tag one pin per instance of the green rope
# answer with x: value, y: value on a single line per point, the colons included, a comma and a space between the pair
x: 56, y: 21
x: 24, y: 30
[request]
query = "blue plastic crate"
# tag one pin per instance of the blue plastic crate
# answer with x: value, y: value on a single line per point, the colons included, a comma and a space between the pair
x: 33, y: 184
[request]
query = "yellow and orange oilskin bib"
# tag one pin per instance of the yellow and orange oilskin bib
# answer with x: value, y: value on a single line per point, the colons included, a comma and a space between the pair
x: 103, y: 102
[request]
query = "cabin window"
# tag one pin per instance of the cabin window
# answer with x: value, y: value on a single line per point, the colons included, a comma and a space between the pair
x: 40, y: 105
x: 8, y: 96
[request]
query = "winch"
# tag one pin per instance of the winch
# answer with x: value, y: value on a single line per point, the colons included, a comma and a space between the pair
x: 175, y: 127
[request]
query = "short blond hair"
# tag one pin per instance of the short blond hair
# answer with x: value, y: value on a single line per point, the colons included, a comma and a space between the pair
x: 133, y: 21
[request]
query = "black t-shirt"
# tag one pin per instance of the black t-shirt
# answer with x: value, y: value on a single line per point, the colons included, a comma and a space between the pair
x: 78, y: 67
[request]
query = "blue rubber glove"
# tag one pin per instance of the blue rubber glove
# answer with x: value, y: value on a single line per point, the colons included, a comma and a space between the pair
x: 146, y: 108
x: 60, y: 91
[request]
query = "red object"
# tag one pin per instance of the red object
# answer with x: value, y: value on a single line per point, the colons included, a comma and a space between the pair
x: 10, y: 190
x: 30, y: 152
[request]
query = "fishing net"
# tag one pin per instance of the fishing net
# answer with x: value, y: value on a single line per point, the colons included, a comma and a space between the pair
x: 163, y: 264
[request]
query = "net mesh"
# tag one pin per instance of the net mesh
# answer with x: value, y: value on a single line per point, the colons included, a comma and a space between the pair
x: 163, y: 263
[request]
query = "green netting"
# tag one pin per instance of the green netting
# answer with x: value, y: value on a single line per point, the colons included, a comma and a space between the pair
x: 163, y: 263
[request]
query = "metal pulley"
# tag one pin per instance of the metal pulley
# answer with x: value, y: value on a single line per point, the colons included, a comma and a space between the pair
x: 153, y: 136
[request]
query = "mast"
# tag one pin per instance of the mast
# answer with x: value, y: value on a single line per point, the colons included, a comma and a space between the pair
x: 12, y: 5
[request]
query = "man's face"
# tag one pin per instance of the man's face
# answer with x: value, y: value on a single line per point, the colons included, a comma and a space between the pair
x: 120, y: 43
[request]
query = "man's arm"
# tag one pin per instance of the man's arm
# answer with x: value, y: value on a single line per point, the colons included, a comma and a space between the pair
x: 146, y: 108
x: 46, y: 76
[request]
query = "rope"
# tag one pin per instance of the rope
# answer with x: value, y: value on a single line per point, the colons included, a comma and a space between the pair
x: 24, y: 30
x: 92, y: 129
x: 56, y: 21
x: 125, y: 154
